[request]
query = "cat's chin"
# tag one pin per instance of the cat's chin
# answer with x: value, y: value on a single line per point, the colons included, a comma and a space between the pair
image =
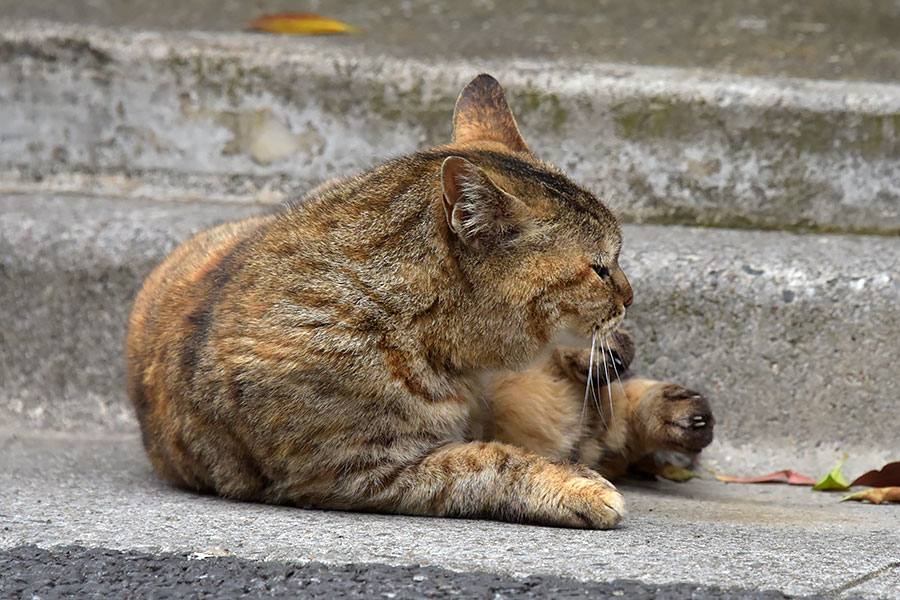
x: 571, y: 337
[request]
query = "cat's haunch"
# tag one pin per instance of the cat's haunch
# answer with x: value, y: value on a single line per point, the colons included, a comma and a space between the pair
x: 373, y: 345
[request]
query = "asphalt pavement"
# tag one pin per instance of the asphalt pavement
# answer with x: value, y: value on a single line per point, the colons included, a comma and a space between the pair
x: 77, y: 572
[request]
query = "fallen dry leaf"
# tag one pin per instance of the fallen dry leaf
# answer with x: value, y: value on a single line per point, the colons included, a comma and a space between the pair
x: 888, y: 476
x: 300, y: 24
x: 675, y: 473
x: 875, y: 495
x: 786, y: 476
x: 834, y: 481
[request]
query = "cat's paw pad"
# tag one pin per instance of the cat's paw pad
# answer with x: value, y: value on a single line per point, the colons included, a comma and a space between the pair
x: 687, y: 417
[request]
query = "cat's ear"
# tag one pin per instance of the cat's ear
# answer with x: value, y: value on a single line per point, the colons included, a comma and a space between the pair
x: 482, y: 114
x: 478, y: 212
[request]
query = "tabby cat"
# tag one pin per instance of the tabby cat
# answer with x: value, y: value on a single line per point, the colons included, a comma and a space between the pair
x: 358, y: 349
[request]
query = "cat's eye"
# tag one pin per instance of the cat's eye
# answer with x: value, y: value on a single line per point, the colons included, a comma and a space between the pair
x: 600, y: 270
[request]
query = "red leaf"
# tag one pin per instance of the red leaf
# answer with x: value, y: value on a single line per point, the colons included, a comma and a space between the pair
x: 786, y: 476
x: 888, y: 476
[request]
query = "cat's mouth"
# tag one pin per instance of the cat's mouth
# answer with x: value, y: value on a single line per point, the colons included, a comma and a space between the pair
x: 604, y: 329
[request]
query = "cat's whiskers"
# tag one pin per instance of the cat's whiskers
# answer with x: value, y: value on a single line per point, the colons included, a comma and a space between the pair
x: 615, y: 368
x: 596, y: 383
x: 619, y: 379
x: 587, y: 385
x: 612, y: 412
x: 608, y: 388
x: 592, y: 387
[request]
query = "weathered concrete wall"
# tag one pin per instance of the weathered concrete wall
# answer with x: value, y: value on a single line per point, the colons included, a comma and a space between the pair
x: 248, y: 118
x: 793, y: 337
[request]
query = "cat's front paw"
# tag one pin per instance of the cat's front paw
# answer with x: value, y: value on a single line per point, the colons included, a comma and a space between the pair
x: 591, y: 503
x: 685, y: 419
x: 586, y: 499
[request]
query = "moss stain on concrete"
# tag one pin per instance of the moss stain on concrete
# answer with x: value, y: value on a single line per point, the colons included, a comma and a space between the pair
x: 548, y: 105
x: 797, y: 131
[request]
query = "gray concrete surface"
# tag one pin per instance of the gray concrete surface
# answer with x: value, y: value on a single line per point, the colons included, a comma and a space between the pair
x: 98, y: 490
x: 831, y: 39
x: 792, y: 337
x: 244, y: 117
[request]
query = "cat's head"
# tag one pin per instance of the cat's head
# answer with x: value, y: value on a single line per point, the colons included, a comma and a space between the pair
x: 530, y: 238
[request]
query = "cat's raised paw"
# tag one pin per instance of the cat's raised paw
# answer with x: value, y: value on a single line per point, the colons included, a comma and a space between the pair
x: 686, y: 420
x: 611, y: 359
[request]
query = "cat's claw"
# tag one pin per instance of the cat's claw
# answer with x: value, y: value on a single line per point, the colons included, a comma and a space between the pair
x: 618, y: 361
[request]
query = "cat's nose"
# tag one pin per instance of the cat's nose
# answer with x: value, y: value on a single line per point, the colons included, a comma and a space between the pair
x: 624, y: 288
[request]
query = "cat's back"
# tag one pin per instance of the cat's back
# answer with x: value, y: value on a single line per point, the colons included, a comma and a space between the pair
x: 185, y: 276
x: 169, y: 309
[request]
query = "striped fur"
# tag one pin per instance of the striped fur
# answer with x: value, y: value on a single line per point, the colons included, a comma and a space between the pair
x: 332, y: 354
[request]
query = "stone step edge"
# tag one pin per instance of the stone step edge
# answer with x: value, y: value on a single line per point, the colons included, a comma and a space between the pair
x: 599, y: 78
x: 269, y: 190
x: 690, y: 193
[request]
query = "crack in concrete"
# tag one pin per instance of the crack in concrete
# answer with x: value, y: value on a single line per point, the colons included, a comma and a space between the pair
x: 836, y: 592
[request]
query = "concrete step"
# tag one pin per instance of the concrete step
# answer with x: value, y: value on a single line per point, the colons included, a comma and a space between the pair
x: 793, y: 337
x: 250, y: 118
x: 829, y: 39
x: 98, y: 490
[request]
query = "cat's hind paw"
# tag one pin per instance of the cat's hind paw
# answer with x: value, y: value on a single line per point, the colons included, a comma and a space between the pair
x: 686, y: 419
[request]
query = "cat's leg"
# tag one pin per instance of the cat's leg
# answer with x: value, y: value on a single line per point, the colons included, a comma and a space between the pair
x: 549, y: 409
x: 627, y: 420
x: 499, y: 481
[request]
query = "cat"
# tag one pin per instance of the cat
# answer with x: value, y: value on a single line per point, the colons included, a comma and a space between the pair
x: 340, y: 353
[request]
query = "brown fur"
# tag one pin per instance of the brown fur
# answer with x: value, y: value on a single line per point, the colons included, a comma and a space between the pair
x: 333, y: 354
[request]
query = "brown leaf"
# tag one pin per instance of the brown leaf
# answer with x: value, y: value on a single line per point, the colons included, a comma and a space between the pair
x: 786, y: 476
x: 888, y: 476
x: 875, y: 495
x: 300, y: 24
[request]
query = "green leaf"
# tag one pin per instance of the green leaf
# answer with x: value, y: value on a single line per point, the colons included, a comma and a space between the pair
x: 834, y: 481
